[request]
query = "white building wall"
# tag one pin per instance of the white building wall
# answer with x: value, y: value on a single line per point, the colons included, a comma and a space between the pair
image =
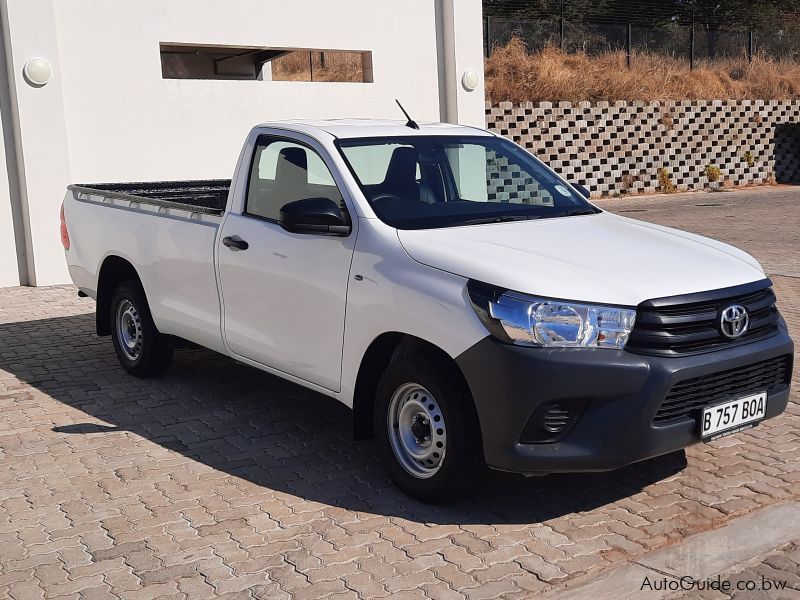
x: 462, y: 51
x: 40, y: 137
x: 107, y: 114
x: 9, y: 270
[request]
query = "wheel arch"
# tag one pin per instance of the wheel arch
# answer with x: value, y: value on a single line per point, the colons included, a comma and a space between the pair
x: 377, y: 358
x: 113, y: 271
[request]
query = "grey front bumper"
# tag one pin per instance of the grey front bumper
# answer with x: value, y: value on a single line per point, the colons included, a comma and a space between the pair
x: 621, y: 393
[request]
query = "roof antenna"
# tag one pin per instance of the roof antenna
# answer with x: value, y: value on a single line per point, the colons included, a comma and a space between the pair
x: 411, y: 123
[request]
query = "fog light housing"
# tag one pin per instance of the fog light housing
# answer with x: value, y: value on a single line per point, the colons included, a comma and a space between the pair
x: 557, y: 418
x: 552, y: 421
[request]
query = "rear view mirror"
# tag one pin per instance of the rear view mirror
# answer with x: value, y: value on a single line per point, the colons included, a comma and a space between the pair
x: 313, y: 215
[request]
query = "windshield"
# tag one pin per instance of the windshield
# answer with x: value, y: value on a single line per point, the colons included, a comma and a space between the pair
x: 423, y: 182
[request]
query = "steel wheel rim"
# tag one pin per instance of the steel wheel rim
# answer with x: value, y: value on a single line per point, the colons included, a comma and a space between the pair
x: 417, y: 430
x: 129, y: 330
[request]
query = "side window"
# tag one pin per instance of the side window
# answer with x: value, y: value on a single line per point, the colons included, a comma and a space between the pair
x: 283, y: 172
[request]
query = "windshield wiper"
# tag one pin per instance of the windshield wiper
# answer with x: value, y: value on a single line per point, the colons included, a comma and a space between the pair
x: 503, y: 219
x: 575, y: 212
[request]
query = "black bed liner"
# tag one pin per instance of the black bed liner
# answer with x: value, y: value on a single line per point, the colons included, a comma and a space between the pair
x: 207, y: 196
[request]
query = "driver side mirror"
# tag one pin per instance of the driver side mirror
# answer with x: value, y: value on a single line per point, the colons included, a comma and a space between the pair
x: 313, y: 215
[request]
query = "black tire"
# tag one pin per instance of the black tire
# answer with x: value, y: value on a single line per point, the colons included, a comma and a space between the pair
x: 152, y: 351
x: 463, y: 456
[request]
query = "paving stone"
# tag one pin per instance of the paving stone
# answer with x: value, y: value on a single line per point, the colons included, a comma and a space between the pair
x: 26, y: 590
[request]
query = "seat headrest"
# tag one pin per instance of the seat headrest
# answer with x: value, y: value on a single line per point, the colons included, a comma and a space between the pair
x: 292, y: 167
x: 402, y: 170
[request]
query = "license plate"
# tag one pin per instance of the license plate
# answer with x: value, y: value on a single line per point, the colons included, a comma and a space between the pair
x: 732, y: 416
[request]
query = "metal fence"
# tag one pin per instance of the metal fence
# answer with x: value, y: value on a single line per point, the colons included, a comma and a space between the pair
x: 678, y: 36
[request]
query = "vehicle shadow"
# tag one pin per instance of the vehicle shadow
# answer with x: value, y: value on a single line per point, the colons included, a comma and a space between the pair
x: 273, y: 433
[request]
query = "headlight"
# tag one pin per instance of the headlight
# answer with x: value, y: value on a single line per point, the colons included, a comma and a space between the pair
x: 531, y: 321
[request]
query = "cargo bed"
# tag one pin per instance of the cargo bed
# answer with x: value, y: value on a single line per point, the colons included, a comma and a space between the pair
x: 204, y: 196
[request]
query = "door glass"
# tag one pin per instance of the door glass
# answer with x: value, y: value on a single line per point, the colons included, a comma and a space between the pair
x: 283, y: 172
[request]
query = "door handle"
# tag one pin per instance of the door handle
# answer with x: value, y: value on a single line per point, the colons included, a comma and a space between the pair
x: 235, y: 243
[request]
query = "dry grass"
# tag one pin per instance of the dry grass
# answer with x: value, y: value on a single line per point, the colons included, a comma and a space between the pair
x: 513, y: 74
x: 302, y: 65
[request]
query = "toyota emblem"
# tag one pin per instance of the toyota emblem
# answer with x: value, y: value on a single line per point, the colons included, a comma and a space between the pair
x: 734, y: 321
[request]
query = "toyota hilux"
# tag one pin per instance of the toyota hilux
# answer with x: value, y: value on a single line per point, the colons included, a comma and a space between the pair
x: 471, y: 306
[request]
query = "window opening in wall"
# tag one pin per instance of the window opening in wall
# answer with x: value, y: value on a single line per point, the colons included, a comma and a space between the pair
x: 187, y: 61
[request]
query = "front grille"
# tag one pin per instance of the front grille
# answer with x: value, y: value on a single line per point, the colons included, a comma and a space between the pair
x: 686, y: 398
x: 690, y: 324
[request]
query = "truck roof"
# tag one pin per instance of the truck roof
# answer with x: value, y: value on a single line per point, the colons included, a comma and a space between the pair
x: 366, y: 128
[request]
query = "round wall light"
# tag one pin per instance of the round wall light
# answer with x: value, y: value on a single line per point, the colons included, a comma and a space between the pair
x: 470, y: 80
x: 37, y: 72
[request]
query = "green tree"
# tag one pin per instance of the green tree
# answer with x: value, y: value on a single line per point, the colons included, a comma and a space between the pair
x: 574, y: 10
x: 711, y: 17
x: 709, y: 14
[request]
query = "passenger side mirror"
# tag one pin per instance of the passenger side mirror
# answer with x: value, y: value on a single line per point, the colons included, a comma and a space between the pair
x: 583, y: 190
x: 313, y: 215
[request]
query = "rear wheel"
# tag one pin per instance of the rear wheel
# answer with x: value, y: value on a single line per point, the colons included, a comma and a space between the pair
x: 427, y: 434
x: 141, y: 349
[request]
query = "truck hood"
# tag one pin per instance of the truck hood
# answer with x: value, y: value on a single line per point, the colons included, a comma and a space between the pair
x: 600, y: 258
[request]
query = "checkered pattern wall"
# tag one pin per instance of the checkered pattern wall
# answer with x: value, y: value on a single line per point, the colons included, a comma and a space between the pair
x: 616, y: 148
x: 506, y: 182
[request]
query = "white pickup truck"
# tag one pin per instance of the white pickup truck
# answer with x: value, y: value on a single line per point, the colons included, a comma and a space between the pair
x: 469, y: 305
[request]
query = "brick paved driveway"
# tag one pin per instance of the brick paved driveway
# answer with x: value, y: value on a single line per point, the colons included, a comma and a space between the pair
x: 217, y: 480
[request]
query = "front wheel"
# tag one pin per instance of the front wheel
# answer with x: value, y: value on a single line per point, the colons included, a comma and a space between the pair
x: 426, y: 429
x: 141, y: 349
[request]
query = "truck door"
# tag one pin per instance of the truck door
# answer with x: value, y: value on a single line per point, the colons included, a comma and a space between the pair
x: 284, y: 293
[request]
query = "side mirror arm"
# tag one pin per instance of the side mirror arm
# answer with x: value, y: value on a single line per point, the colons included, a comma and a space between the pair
x: 308, y: 228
